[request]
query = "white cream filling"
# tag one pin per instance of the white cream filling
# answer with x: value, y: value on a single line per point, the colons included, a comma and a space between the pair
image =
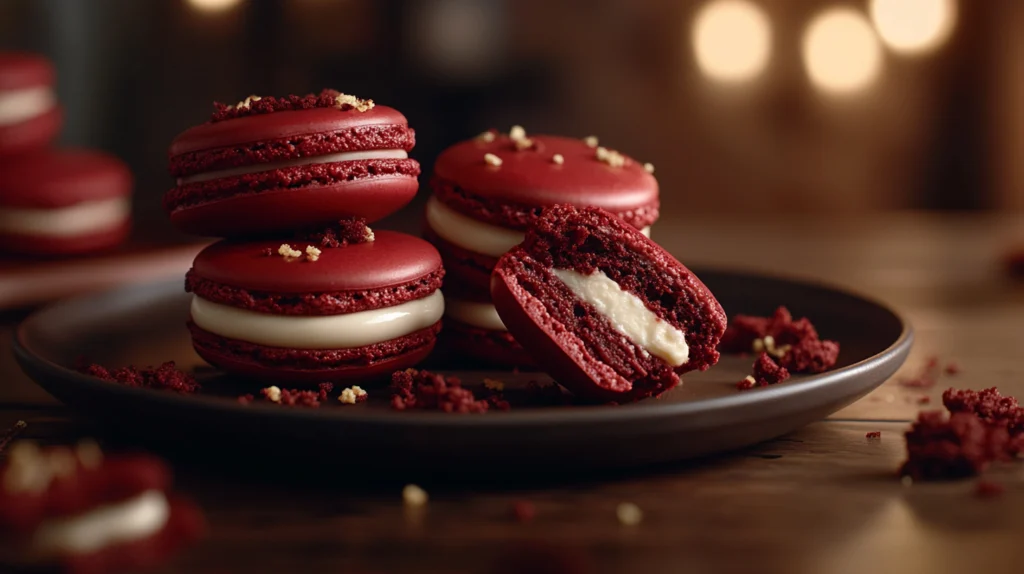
x: 19, y: 105
x: 628, y: 315
x: 77, y: 219
x: 327, y: 158
x: 127, y: 521
x: 473, y: 235
x: 346, y: 331
x: 474, y: 313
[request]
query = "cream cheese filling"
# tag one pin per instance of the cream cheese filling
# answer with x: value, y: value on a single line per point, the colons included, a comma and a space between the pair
x: 475, y: 314
x: 23, y: 104
x: 472, y: 235
x: 327, y: 158
x: 346, y: 331
x: 127, y: 521
x: 628, y: 315
x: 77, y: 219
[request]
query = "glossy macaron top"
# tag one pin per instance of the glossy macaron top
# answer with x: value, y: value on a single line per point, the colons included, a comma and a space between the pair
x: 532, y: 176
x: 390, y: 259
x: 58, y: 178
x: 20, y: 70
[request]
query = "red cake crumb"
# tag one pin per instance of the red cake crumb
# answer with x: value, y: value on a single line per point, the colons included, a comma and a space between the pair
x: 961, y: 445
x: 800, y: 349
x: 166, y: 377
x: 990, y: 406
x: 523, y: 510
x: 324, y: 391
x: 764, y: 372
x: 874, y: 434
x: 423, y: 390
x: 988, y: 489
x: 270, y: 104
x: 344, y: 232
x: 952, y: 369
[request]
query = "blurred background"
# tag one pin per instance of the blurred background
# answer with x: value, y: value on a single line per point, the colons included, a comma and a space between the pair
x: 787, y: 107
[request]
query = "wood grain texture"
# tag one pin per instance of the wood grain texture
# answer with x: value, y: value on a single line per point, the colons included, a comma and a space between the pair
x: 824, y: 499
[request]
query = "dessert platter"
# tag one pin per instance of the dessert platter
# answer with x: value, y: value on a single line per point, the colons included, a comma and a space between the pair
x: 534, y: 325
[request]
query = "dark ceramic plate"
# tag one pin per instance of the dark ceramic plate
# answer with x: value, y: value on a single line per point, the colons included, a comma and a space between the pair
x: 144, y: 325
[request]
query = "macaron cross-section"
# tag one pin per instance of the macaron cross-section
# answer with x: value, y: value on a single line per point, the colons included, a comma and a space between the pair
x: 610, y: 314
x: 304, y: 311
x: 273, y: 164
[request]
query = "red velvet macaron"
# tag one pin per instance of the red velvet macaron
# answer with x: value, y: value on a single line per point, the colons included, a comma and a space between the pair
x: 269, y: 164
x: 602, y: 308
x: 74, y: 509
x: 306, y: 311
x: 488, y: 190
x: 30, y: 117
x: 63, y: 202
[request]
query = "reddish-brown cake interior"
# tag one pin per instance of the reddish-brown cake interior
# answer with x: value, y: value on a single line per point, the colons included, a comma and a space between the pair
x: 528, y: 296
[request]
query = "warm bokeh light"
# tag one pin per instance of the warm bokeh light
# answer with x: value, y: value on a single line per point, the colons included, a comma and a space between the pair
x: 731, y: 40
x: 914, y: 26
x: 213, y: 5
x: 841, y: 52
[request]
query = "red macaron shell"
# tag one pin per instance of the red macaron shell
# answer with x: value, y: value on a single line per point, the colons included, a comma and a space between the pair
x: 467, y: 271
x: 511, y: 194
x: 309, y: 367
x: 65, y: 245
x: 351, y: 273
x: 60, y: 178
x: 20, y: 70
x: 31, y: 134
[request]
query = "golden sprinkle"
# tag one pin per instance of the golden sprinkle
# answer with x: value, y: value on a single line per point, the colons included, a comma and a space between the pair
x: 369, y: 235
x: 494, y: 385
x: 360, y: 105
x: 273, y: 394
x: 517, y: 133
x: 629, y: 514
x: 649, y: 167
x: 313, y: 253
x: 244, y: 104
x: 558, y: 159
x: 486, y: 137
x: 351, y: 395
x: 413, y: 495
x: 492, y: 160
x: 750, y: 379
x: 591, y: 141
x: 758, y: 345
x: 610, y: 157
x: 287, y: 252
x: 522, y: 143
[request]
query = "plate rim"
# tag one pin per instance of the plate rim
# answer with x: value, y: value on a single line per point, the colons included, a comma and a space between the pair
x: 563, y: 417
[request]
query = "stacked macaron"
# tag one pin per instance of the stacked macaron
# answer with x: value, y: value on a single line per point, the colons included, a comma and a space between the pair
x: 489, y: 190
x: 302, y: 291
x: 52, y: 201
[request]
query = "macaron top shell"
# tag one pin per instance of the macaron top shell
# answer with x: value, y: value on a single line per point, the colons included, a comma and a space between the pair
x: 391, y: 259
x: 532, y: 177
x: 59, y: 178
x: 22, y: 70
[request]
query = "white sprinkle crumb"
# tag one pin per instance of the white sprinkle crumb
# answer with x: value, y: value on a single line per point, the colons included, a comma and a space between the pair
x: 591, y: 141
x: 610, y: 157
x: 494, y: 385
x: 89, y: 454
x: 907, y: 481
x: 287, y: 252
x: 750, y: 379
x: 649, y: 167
x: 558, y: 159
x: 273, y: 394
x: 629, y: 514
x: 413, y: 495
x: 369, y: 235
x: 758, y: 345
x: 360, y: 105
x: 486, y: 137
x: 312, y: 253
x: 522, y: 143
x: 351, y: 395
x: 517, y: 133
x: 244, y: 104
x: 492, y: 160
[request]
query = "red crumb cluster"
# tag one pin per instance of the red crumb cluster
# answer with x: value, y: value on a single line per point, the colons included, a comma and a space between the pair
x: 166, y: 377
x: 794, y: 343
x: 983, y: 427
x: 253, y: 106
x: 874, y: 434
x: 765, y: 372
x: 344, y: 232
x: 423, y: 390
x: 292, y: 397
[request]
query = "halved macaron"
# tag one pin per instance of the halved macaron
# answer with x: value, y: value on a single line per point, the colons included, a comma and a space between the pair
x: 302, y: 312
x: 273, y: 164
x: 63, y: 202
x: 606, y: 311
x: 30, y: 117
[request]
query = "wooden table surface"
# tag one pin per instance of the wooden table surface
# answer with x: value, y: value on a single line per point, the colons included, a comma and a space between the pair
x: 824, y: 499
